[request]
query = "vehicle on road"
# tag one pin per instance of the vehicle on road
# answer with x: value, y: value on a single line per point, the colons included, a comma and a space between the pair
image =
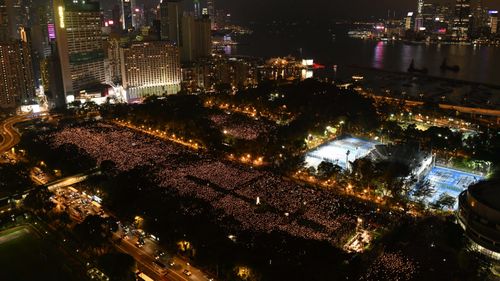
x: 143, y: 277
x: 159, y: 266
x: 187, y: 272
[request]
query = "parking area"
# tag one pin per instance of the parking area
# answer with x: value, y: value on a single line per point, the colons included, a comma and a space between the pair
x: 78, y: 204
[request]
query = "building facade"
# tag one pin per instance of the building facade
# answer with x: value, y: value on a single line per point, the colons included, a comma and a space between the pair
x: 462, y: 20
x: 80, y: 46
x: 479, y: 216
x: 150, y: 68
x: 171, y: 12
x: 17, y: 85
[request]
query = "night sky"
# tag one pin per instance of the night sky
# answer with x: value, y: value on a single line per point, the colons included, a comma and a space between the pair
x: 267, y: 10
x: 351, y: 9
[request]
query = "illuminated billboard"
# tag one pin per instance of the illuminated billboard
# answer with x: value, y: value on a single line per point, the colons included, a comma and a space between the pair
x: 51, y: 28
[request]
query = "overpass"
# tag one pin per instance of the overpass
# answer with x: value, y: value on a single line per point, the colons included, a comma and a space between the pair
x: 10, y: 135
x: 473, y: 111
x: 51, y: 186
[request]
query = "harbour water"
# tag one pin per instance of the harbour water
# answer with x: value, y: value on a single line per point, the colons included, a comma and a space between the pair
x: 330, y: 46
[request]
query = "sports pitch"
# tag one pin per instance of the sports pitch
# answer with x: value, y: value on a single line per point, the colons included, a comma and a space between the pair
x: 451, y: 181
x: 336, y: 151
x: 24, y: 255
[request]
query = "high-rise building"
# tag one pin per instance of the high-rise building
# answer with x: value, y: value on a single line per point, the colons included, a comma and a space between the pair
x: 212, y: 13
x: 138, y: 19
x: 16, y: 16
x: 196, y: 38
x: 126, y: 14
x: 42, y: 29
x: 420, y: 5
x: 479, y: 24
x: 27, y: 78
x: 4, y: 22
x: 171, y: 21
x: 116, y: 16
x: 112, y: 65
x: 429, y: 16
x: 461, y: 21
x: 203, y: 36
x: 408, y: 22
x: 79, y: 44
x: 17, y: 85
x: 478, y: 214
x: 197, y: 8
x: 150, y: 68
x: 13, y: 15
x: 493, y: 21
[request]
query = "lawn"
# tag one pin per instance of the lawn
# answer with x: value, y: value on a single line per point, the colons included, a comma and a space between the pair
x: 25, y: 256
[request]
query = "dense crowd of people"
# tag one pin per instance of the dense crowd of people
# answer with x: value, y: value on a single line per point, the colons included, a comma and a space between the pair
x: 257, y: 200
x: 391, y: 266
x: 241, y: 128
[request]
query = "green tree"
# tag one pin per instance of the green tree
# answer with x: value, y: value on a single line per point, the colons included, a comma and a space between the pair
x: 423, y: 190
x: 118, y: 266
x: 38, y: 200
x: 445, y: 201
x: 95, y: 232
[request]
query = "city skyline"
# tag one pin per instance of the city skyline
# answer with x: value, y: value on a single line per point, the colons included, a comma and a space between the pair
x: 264, y: 140
x: 324, y: 10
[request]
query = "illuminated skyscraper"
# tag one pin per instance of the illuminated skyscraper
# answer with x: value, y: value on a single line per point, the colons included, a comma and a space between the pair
x: 493, y: 21
x: 197, y: 8
x: 13, y: 16
x: 197, y: 41
x: 171, y: 21
x: 4, y: 22
x: 126, y: 19
x: 461, y: 21
x: 420, y: 6
x: 79, y: 43
x: 150, y: 68
x: 17, y: 85
x: 211, y: 12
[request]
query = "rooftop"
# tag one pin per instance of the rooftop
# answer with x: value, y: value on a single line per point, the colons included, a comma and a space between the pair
x: 487, y: 192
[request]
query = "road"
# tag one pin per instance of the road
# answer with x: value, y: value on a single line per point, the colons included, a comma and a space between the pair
x: 10, y: 135
x: 145, y: 257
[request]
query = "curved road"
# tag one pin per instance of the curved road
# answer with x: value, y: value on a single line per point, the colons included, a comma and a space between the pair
x: 10, y: 135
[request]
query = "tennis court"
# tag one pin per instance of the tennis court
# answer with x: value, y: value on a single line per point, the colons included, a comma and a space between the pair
x: 451, y: 181
x: 335, y: 151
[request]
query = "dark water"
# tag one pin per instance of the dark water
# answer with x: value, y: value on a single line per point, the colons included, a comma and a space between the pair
x: 477, y: 63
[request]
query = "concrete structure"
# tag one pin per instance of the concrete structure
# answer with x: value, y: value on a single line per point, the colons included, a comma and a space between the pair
x: 493, y: 21
x: 479, y: 215
x: 196, y: 38
x: 17, y: 85
x: 461, y: 21
x: 126, y: 14
x: 211, y: 13
x: 171, y: 21
x: 150, y: 68
x: 80, y: 46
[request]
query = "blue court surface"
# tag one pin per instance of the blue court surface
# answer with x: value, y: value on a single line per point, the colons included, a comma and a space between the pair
x: 336, y: 151
x: 451, y: 181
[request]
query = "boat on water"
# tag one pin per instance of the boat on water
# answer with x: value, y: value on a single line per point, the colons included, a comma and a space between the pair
x: 445, y: 67
x: 413, y: 69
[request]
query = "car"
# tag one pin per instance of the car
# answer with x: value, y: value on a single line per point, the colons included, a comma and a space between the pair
x: 187, y: 272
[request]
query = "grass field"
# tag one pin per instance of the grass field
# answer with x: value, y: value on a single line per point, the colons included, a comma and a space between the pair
x: 24, y: 255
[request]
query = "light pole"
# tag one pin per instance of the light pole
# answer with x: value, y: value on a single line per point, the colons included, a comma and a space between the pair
x: 347, y: 160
